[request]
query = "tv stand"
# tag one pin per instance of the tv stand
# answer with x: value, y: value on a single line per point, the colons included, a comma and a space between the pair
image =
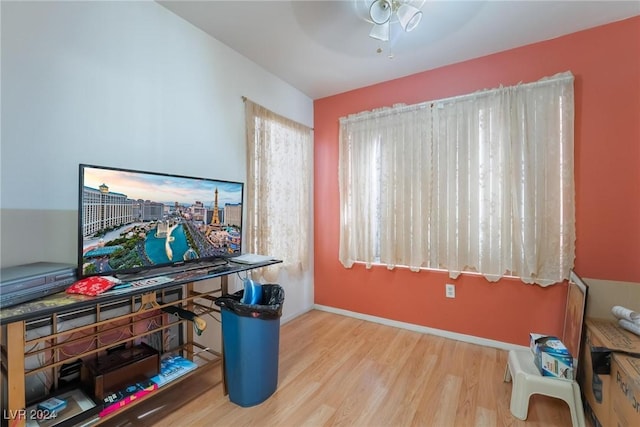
x: 134, y: 317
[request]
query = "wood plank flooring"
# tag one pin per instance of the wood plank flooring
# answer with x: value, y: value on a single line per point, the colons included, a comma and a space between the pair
x: 340, y: 371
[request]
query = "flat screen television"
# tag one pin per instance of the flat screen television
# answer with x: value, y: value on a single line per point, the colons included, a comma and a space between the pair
x: 131, y: 222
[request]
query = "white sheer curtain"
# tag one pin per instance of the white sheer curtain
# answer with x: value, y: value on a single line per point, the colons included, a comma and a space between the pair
x: 279, y: 190
x: 482, y: 182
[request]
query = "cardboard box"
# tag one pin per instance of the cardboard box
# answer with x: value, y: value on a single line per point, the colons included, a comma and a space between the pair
x: 596, y: 388
x: 532, y: 341
x: 552, y: 358
x: 625, y: 391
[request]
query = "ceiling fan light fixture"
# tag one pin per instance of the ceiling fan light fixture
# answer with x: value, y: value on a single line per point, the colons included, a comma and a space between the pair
x: 380, y: 31
x: 380, y: 11
x: 409, y: 17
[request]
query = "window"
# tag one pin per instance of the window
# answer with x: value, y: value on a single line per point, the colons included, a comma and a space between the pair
x: 279, y: 165
x: 481, y: 183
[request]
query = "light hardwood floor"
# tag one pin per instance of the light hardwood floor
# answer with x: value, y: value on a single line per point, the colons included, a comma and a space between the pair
x: 340, y: 371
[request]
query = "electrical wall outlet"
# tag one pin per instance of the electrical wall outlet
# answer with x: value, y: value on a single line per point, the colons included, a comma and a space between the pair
x: 450, y: 290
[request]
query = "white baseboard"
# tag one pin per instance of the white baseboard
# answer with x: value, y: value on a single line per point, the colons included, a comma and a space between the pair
x: 290, y: 316
x: 422, y: 329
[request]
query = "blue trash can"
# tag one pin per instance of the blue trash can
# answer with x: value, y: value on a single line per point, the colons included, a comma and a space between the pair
x: 251, y: 342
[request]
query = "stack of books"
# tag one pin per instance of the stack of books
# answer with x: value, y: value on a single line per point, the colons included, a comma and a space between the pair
x: 114, y: 401
x: 171, y: 367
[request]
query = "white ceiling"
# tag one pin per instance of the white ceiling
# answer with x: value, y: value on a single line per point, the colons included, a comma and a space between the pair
x: 322, y: 48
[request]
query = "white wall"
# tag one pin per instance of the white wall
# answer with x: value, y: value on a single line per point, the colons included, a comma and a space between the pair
x: 124, y: 84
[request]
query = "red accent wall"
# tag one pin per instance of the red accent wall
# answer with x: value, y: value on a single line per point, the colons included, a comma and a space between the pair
x: 606, y: 64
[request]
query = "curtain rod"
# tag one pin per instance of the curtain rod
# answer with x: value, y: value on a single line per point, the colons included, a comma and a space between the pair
x: 400, y: 108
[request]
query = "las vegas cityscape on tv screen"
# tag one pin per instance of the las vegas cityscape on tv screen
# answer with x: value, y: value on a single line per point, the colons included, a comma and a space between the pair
x: 131, y: 220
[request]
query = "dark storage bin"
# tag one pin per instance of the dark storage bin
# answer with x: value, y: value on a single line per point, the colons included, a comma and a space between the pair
x: 251, y: 342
